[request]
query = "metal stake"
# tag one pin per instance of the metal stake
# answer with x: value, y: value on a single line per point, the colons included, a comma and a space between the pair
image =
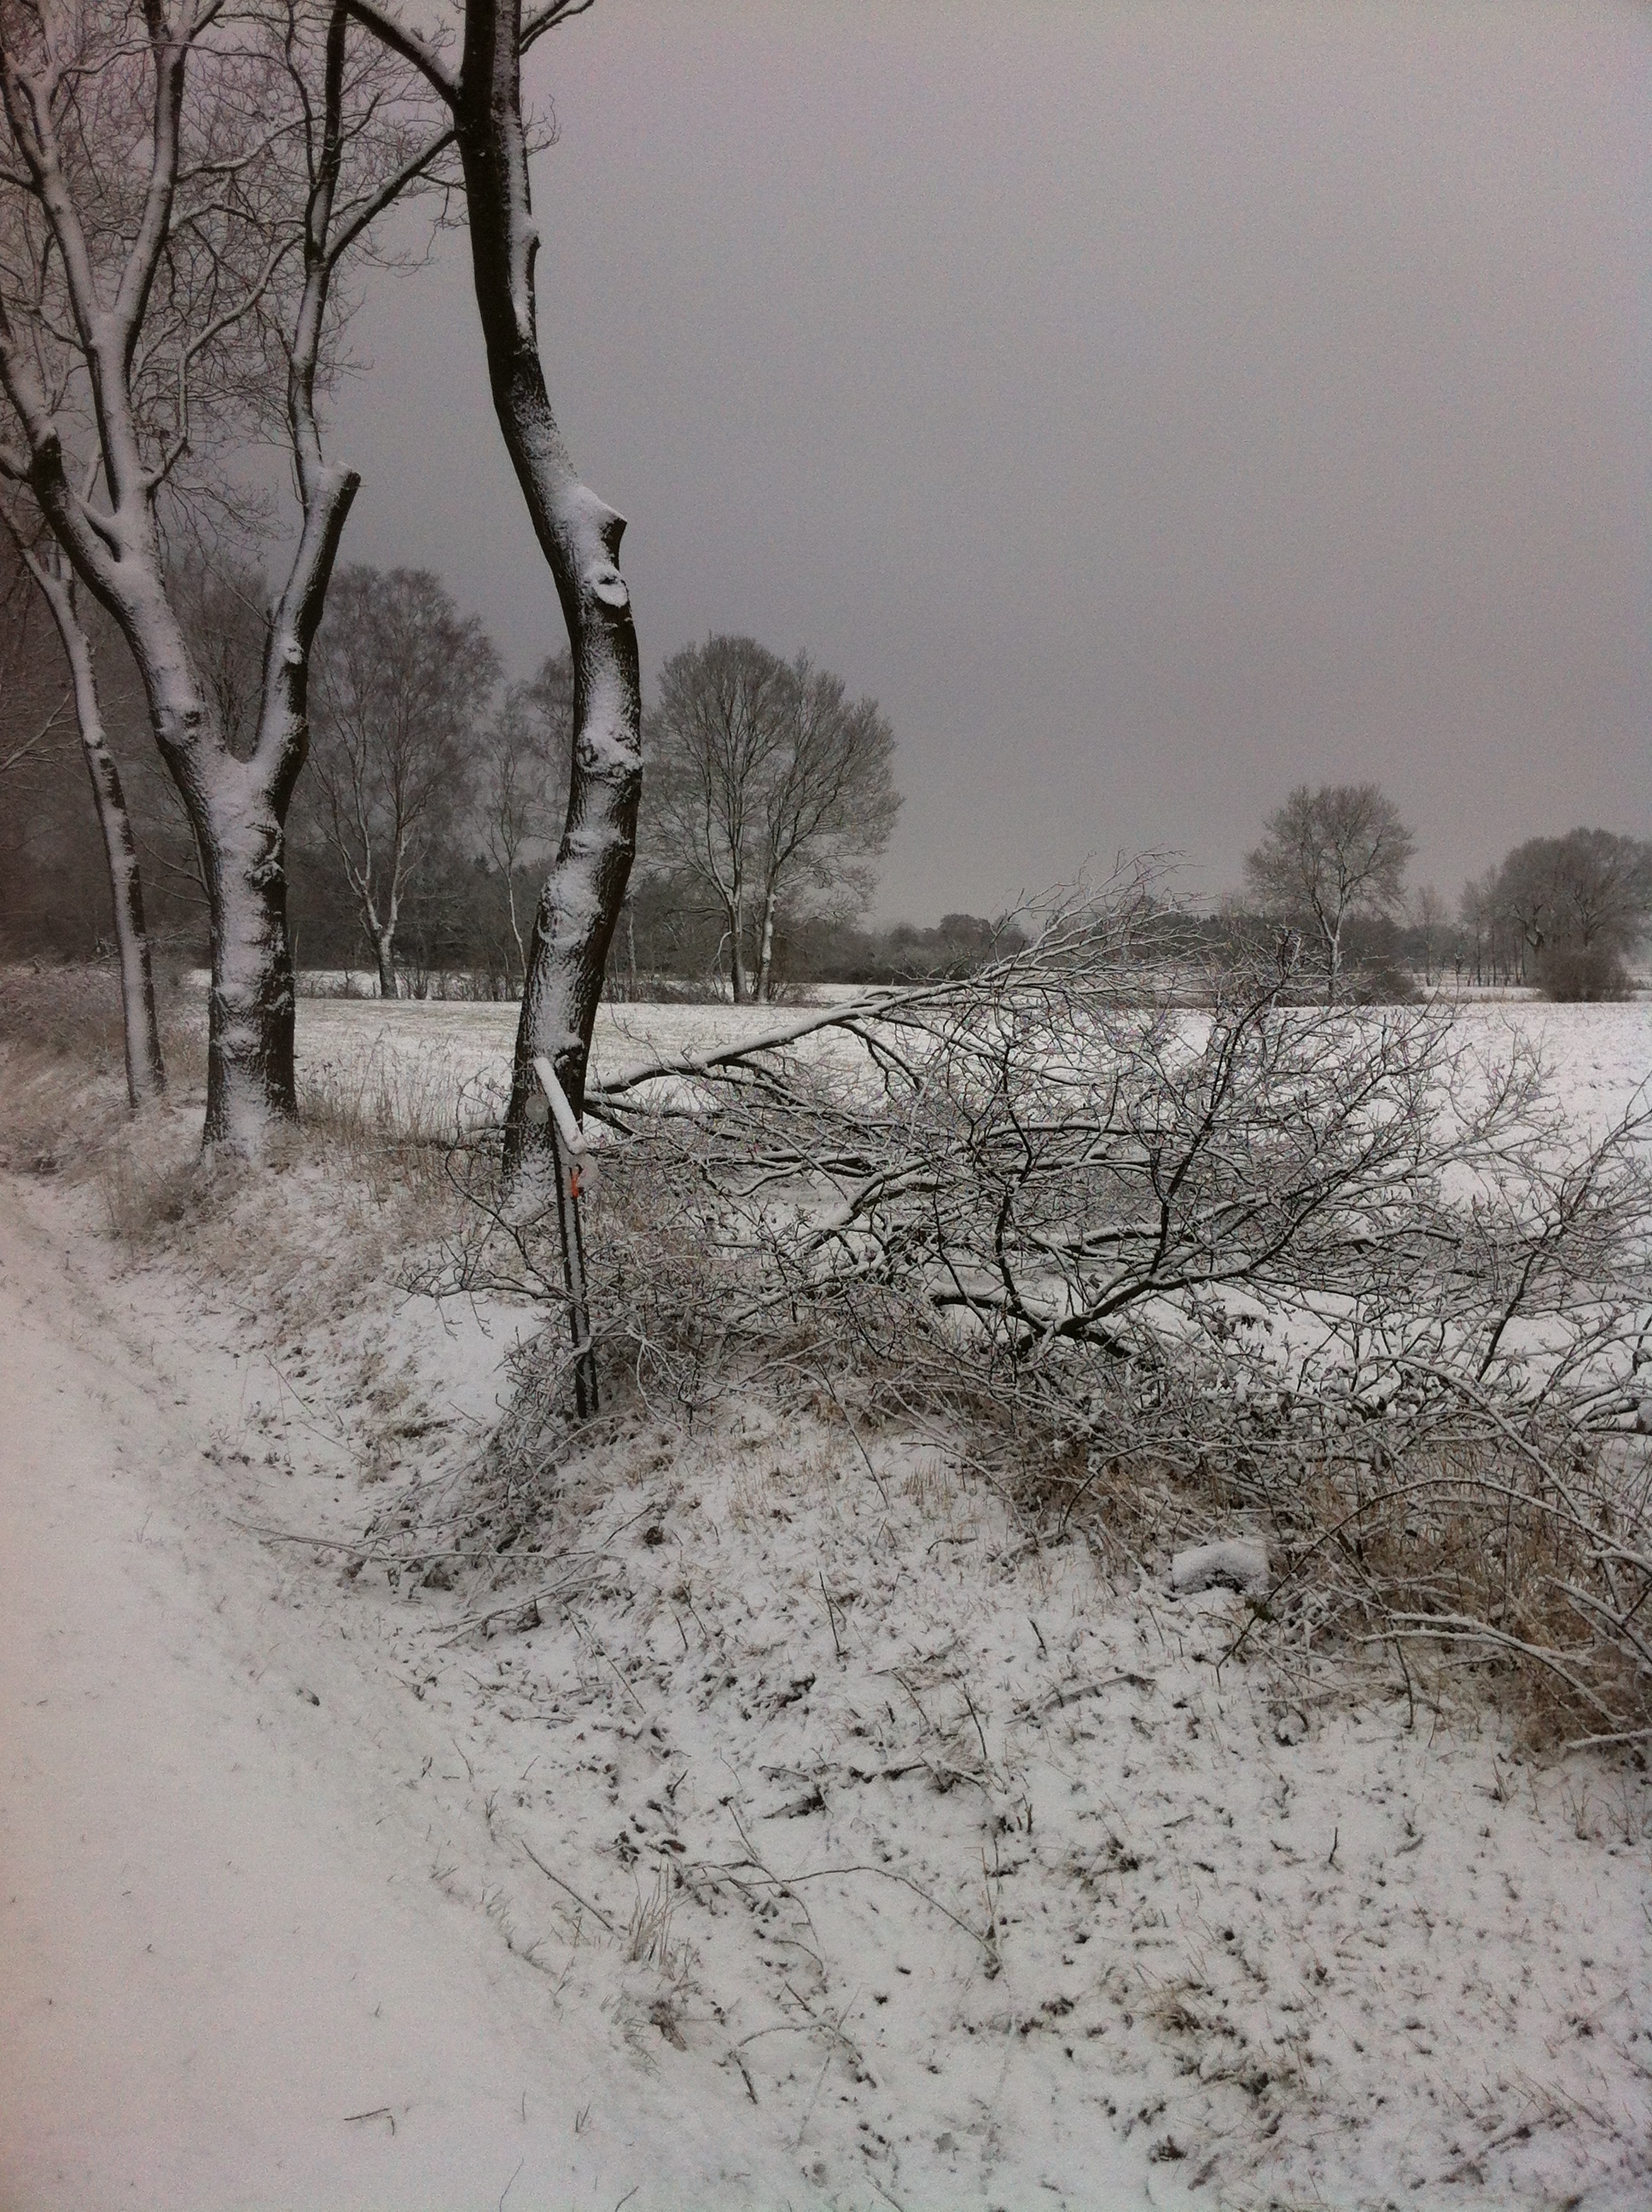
x: 575, y: 1171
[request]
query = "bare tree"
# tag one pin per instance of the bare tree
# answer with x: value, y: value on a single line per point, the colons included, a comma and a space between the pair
x: 828, y: 807
x: 1588, y: 889
x: 527, y: 755
x: 403, y: 683
x: 724, y: 710
x: 767, y: 784
x: 33, y: 710
x: 1524, y: 892
x: 139, y: 299
x: 1499, y: 943
x: 578, y: 534
x: 26, y: 751
x: 1431, y: 918
x: 1474, y: 913
x: 1325, y: 853
x: 146, y: 1071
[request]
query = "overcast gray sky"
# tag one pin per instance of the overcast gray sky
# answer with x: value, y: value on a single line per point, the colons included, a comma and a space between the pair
x: 1154, y: 405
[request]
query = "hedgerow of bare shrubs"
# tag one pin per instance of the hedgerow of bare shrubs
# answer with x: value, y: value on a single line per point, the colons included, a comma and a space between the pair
x: 1315, y: 1271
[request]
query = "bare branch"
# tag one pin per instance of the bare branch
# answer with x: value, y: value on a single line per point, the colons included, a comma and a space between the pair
x: 424, y: 53
x: 534, y: 26
x: 21, y: 753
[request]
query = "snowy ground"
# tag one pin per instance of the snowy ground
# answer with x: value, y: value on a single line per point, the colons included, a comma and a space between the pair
x: 433, y: 1057
x: 430, y: 1050
x: 232, y: 1977
x: 810, y: 1841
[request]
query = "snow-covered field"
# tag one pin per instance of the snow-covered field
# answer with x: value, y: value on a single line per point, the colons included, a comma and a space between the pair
x: 812, y: 1839
x: 1600, y: 1056
x: 440, y: 1053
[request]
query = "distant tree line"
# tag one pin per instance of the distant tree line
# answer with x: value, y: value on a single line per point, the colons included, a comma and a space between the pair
x: 1329, y: 881
x: 436, y: 794
x: 433, y: 802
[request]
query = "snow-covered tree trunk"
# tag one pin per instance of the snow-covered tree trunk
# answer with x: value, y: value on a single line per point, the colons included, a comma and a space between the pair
x: 238, y: 810
x: 579, y: 536
x: 516, y: 932
x: 146, y: 1069
x: 250, y: 1082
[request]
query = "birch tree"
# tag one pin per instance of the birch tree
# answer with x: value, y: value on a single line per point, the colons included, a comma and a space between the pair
x: 1329, y: 852
x: 478, y: 76
x: 402, y: 684
x: 1429, y: 918
x: 176, y: 195
x: 724, y: 708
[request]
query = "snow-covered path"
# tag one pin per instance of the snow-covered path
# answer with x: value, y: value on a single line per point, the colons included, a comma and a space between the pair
x: 212, y: 1952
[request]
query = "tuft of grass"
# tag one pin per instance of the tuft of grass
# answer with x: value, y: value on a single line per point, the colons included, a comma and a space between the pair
x: 370, y: 1153
x: 147, y: 1187
x: 63, y: 1058
x: 392, y: 1122
x: 648, y: 1938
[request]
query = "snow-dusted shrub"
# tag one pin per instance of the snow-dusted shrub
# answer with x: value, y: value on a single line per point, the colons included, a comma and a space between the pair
x: 1416, y: 1511
x: 1160, y: 1266
x: 1154, y: 1267
x: 649, y: 989
x: 1582, y: 974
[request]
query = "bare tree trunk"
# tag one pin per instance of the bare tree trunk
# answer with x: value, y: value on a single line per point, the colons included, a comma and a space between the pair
x: 739, y: 974
x: 516, y: 926
x: 578, y: 535
x: 238, y: 811
x: 146, y: 1070
x: 146, y: 1066
x: 385, y: 948
x: 252, y: 1010
x: 766, y: 951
